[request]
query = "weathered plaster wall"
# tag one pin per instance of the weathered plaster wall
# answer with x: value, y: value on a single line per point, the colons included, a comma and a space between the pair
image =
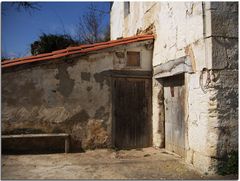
x: 208, y: 33
x: 63, y: 97
x: 70, y: 95
x: 145, y: 48
x: 178, y: 29
x: 176, y: 25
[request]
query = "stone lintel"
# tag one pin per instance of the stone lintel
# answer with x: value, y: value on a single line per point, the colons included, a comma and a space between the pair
x: 173, y: 67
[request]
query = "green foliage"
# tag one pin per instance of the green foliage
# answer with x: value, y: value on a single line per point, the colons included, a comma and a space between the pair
x: 230, y: 164
x: 5, y: 58
x: 91, y: 29
x: 51, y: 42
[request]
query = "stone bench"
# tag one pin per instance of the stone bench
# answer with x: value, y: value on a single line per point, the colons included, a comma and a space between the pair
x: 63, y: 135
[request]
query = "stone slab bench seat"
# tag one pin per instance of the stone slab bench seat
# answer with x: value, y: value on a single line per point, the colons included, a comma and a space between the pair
x: 63, y: 135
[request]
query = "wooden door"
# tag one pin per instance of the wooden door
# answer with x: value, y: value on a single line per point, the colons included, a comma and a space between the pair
x: 132, y: 113
x: 174, y: 98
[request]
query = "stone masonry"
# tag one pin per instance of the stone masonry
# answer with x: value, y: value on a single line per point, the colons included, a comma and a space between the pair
x: 207, y: 32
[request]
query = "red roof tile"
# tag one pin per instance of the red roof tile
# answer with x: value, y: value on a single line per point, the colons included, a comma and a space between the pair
x: 75, y: 50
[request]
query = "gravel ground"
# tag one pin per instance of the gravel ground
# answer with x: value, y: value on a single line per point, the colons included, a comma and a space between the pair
x: 147, y: 163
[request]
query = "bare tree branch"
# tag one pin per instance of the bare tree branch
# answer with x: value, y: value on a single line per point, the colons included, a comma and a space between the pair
x: 101, y: 11
x: 26, y: 5
x: 90, y: 28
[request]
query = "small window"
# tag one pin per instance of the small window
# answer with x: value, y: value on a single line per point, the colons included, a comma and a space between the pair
x: 133, y: 59
x: 126, y: 9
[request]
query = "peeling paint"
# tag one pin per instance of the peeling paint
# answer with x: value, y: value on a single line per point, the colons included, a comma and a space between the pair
x: 66, y: 84
x: 97, y: 136
x: 99, y: 78
x: 81, y: 116
x: 85, y: 76
x: 89, y: 88
x: 120, y: 54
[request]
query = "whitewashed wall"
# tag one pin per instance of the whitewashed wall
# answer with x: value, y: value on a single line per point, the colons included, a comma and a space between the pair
x: 208, y: 33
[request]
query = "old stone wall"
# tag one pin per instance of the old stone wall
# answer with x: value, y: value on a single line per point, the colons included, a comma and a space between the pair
x: 223, y: 84
x: 206, y: 32
x: 70, y: 95
x: 218, y: 81
x: 178, y: 30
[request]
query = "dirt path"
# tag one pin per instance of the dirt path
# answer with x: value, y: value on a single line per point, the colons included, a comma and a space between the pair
x: 148, y: 163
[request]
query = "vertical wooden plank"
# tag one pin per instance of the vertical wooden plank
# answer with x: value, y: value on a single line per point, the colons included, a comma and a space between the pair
x: 132, y: 109
x: 174, y: 98
x: 67, y: 144
x: 168, y: 123
x: 133, y: 58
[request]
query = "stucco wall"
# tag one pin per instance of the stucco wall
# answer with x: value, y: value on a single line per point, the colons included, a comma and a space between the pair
x: 208, y: 33
x: 62, y: 97
x: 70, y: 95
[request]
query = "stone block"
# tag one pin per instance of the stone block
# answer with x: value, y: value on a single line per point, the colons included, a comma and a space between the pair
x: 224, y: 53
x: 158, y: 114
x: 224, y: 6
x: 224, y: 18
x: 224, y: 24
x: 204, y: 164
x: 199, y: 54
x: 189, y: 156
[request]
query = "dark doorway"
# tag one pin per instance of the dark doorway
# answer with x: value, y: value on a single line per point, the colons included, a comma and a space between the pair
x: 174, y: 99
x: 132, y: 125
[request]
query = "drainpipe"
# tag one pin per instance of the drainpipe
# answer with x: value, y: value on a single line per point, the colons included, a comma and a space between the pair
x: 204, y: 19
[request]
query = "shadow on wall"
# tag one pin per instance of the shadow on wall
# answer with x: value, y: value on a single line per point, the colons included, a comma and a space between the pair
x: 227, y: 147
x: 228, y: 164
x: 223, y: 109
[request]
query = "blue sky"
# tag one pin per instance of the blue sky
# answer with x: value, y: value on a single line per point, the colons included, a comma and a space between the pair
x: 21, y: 28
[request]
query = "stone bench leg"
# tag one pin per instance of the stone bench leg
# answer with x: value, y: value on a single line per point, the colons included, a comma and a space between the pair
x: 67, y: 145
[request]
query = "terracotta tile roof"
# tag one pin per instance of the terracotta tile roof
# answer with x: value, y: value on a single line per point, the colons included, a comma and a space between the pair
x: 82, y: 49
